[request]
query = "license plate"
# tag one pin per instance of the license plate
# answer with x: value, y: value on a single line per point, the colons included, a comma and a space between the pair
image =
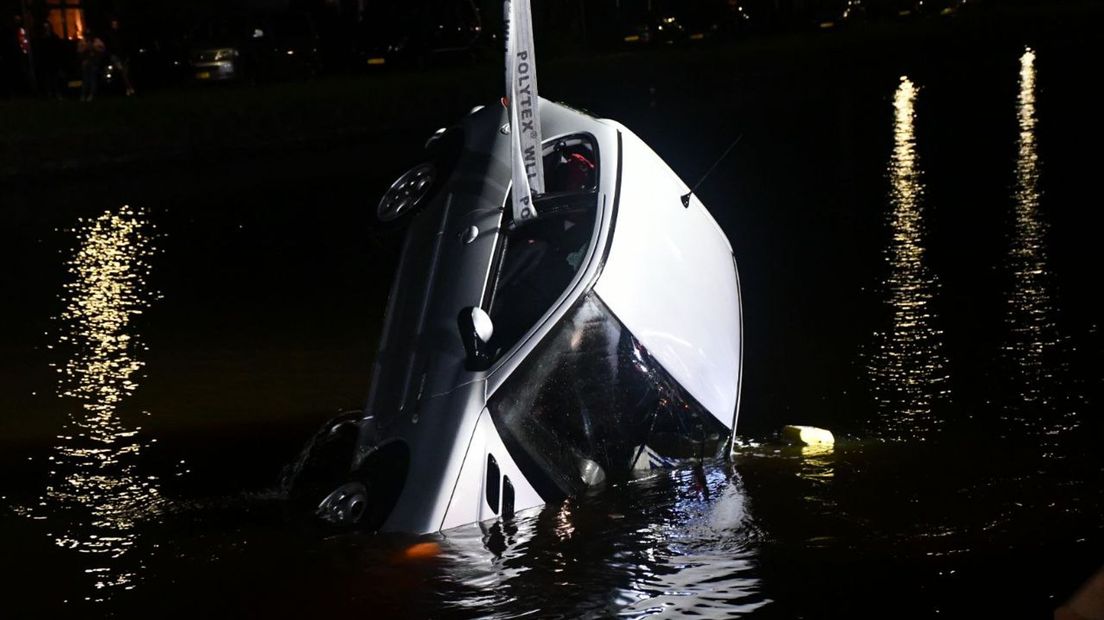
x: 203, y: 75
x: 377, y: 61
x: 76, y: 83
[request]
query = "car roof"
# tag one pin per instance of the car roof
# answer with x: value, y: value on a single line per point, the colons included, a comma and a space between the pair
x: 670, y: 278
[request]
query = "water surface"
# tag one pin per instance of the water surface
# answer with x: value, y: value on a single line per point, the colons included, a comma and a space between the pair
x: 918, y: 242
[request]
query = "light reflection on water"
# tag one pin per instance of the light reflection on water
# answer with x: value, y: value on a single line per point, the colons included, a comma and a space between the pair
x: 691, y: 551
x: 907, y: 365
x: 698, y: 558
x: 818, y: 463
x: 1034, y: 344
x: 97, y: 495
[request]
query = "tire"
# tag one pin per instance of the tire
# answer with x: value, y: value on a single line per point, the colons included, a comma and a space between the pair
x: 408, y: 194
x: 324, y: 463
x: 419, y: 185
x: 322, y: 489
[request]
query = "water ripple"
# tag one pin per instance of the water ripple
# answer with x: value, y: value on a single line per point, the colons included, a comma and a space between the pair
x: 97, y: 495
x: 1034, y: 348
x: 907, y: 367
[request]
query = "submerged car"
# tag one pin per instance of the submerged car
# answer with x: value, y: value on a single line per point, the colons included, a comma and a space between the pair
x: 525, y: 361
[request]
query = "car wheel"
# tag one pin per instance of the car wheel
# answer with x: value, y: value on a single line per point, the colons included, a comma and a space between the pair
x: 324, y: 463
x: 408, y: 194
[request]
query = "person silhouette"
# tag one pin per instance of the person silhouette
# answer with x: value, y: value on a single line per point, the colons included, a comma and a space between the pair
x: 48, y: 58
x: 91, y: 50
x: 118, y: 53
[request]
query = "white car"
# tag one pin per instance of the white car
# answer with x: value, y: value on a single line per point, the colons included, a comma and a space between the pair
x: 520, y: 363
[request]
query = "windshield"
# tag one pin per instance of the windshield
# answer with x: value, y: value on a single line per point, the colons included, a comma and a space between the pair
x: 590, y: 403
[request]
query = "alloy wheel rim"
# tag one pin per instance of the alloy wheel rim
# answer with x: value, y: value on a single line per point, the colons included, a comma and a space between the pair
x: 406, y: 193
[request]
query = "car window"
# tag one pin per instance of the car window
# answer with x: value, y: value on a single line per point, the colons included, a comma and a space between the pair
x: 537, y: 260
x: 571, y: 165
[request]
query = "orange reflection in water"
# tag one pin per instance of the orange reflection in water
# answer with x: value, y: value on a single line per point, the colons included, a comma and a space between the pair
x: 96, y: 493
x: 907, y: 366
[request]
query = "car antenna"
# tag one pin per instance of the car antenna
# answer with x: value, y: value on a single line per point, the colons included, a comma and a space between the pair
x: 687, y: 195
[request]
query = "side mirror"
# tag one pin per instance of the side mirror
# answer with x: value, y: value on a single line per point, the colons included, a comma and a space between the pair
x: 476, y: 330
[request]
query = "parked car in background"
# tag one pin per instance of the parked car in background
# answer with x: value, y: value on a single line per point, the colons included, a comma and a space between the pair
x: 943, y: 8
x: 654, y: 29
x: 894, y: 9
x: 254, y: 47
x: 158, y: 62
x: 424, y: 33
x: 829, y: 14
x: 685, y: 22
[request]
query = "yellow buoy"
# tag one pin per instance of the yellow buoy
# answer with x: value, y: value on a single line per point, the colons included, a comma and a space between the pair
x: 807, y: 435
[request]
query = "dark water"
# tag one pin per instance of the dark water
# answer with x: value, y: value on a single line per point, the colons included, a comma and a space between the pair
x: 918, y: 237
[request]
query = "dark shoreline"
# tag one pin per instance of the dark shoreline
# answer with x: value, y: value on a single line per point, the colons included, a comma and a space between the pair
x: 45, y: 141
